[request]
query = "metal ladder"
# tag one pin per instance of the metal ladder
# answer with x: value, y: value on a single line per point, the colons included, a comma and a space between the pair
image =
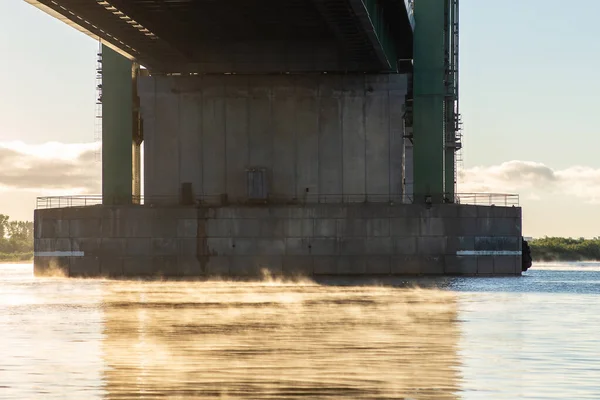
x: 458, y: 126
x: 98, y: 107
x: 453, y: 122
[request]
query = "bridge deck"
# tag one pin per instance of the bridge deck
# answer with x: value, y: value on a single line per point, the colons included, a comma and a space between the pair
x: 242, y: 36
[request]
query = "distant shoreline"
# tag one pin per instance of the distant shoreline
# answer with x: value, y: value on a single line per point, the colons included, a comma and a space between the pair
x: 557, y: 249
x: 16, y: 262
x: 558, y: 260
x: 6, y: 258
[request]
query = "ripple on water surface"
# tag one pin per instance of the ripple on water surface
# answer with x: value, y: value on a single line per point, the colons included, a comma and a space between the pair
x: 486, y: 338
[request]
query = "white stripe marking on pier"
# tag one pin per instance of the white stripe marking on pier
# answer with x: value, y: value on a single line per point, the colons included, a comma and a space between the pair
x: 487, y: 253
x: 58, y: 254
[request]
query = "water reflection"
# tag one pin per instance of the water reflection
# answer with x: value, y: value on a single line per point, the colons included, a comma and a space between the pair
x: 534, y: 337
x: 276, y: 340
x: 50, y: 337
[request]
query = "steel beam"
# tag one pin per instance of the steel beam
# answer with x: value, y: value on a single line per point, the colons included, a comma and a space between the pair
x: 117, y: 128
x: 178, y: 36
x: 121, y: 33
x: 375, y: 25
x: 429, y: 97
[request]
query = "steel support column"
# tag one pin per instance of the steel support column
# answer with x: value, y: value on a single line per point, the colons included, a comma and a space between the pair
x: 429, y: 97
x: 137, y: 138
x: 117, y: 127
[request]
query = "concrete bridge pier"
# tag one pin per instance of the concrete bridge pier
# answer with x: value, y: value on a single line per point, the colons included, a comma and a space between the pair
x: 281, y: 149
x: 297, y: 174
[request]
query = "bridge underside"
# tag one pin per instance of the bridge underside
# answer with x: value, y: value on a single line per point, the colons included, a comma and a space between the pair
x: 204, y: 36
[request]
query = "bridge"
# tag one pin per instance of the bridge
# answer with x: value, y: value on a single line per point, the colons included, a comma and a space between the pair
x: 195, y: 36
x: 354, y: 38
x: 300, y: 136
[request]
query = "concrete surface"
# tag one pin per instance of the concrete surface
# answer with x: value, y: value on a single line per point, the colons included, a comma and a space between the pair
x: 361, y: 239
x: 320, y: 134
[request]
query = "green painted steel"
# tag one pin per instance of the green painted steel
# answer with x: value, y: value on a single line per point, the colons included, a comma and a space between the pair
x: 382, y: 32
x: 449, y: 174
x: 452, y: 120
x: 117, y: 127
x: 429, y: 97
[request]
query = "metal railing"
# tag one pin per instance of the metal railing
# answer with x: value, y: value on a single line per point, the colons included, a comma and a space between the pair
x: 488, y: 199
x: 480, y: 199
x: 67, y: 201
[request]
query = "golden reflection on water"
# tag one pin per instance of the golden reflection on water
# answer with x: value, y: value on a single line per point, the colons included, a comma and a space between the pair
x: 531, y: 337
x: 277, y: 340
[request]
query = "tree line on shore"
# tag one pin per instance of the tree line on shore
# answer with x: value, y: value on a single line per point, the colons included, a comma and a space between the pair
x: 565, y: 249
x: 16, y: 239
x: 16, y: 244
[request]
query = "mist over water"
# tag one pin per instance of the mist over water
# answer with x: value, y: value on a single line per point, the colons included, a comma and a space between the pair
x: 500, y: 338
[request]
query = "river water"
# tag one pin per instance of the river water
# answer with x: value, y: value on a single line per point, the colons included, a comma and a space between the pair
x: 531, y: 337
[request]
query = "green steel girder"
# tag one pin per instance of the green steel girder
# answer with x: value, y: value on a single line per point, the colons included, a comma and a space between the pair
x: 179, y: 35
x: 376, y: 26
x: 95, y: 19
x: 400, y: 14
x: 374, y: 33
x: 429, y: 97
x: 117, y: 128
x: 436, y: 127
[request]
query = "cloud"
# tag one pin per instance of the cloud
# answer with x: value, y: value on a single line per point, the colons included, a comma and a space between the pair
x: 532, y: 179
x: 50, y: 167
x: 62, y: 169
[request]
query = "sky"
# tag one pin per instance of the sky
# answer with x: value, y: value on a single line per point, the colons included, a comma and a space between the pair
x: 528, y: 98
